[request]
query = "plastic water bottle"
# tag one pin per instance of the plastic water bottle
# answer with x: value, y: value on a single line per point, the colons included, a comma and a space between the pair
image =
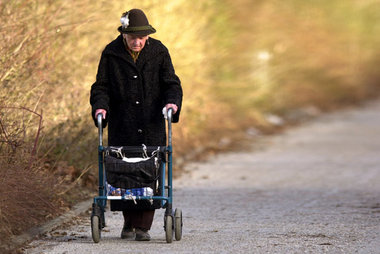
x: 148, y: 192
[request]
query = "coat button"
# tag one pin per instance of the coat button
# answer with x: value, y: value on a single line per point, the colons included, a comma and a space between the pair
x: 135, y: 77
x: 139, y: 131
x: 137, y: 102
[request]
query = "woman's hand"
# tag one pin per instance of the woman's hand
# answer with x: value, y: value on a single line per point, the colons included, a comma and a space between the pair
x: 100, y: 111
x: 173, y: 106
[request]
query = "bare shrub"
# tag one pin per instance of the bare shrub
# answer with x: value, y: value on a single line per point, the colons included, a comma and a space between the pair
x: 27, y: 192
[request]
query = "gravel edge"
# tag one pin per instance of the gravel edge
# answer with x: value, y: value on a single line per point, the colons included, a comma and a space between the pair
x: 20, y: 240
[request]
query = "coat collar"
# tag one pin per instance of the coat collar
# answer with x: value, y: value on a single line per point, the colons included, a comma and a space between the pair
x: 117, y: 48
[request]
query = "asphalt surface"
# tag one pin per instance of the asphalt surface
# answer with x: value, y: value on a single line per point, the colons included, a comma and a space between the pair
x: 313, y: 189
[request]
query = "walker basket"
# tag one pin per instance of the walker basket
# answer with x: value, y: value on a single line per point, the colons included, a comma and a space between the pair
x: 130, y: 175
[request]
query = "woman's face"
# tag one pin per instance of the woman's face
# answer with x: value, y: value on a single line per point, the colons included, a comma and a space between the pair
x: 135, y: 42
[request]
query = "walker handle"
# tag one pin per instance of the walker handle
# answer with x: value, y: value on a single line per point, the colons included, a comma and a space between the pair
x: 170, y: 116
x: 100, y: 128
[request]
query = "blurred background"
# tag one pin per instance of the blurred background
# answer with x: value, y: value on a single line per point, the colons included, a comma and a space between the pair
x: 247, y: 67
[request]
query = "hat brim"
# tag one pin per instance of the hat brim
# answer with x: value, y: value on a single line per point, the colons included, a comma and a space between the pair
x: 144, y: 30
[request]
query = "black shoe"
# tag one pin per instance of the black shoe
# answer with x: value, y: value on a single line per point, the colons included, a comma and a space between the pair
x: 127, y: 233
x: 142, y: 235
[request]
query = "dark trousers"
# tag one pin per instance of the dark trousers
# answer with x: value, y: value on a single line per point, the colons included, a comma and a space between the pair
x: 138, y: 218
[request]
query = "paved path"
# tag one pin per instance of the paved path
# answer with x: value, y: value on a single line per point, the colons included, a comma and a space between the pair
x: 312, y: 189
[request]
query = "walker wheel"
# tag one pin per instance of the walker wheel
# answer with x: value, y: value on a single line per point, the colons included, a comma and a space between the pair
x: 178, y: 224
x: 169, y: 228
x: 95, y: 228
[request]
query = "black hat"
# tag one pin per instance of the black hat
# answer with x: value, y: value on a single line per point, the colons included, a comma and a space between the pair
x: 135, y: 22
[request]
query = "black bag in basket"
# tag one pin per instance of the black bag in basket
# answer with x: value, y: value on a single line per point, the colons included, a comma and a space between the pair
x: 129, y: 175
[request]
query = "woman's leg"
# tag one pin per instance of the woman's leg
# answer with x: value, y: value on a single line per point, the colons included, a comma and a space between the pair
x: 142, y: 219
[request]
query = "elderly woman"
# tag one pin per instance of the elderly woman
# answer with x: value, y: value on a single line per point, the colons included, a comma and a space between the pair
x: 135, y: 81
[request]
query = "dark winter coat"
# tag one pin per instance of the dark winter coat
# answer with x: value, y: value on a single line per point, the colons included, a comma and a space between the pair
x: 133, y: 94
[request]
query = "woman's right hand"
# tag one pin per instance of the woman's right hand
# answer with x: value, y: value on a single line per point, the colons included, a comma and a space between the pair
x: 100, y: 111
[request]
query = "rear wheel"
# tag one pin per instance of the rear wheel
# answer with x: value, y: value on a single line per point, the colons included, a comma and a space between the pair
x: 95, y: 228
x: 178, y: 224
x: 169, y: 228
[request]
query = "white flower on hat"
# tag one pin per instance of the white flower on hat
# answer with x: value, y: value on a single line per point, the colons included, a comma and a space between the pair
x: 125, y: 21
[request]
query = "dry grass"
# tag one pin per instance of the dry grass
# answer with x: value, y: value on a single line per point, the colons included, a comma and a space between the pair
x: 299, y: 54
x: 238, y: 61
x: 26, y: 190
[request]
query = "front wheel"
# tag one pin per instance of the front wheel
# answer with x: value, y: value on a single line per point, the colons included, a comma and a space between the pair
x: 95, y: 228
x: 178, y: 224
x: 169, y: 228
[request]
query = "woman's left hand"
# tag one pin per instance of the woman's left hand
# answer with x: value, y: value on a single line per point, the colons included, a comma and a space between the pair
x: 173, y: 106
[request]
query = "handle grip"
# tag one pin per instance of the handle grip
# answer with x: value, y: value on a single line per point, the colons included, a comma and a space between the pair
x: 100, y: 128
x: 170, y: 116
